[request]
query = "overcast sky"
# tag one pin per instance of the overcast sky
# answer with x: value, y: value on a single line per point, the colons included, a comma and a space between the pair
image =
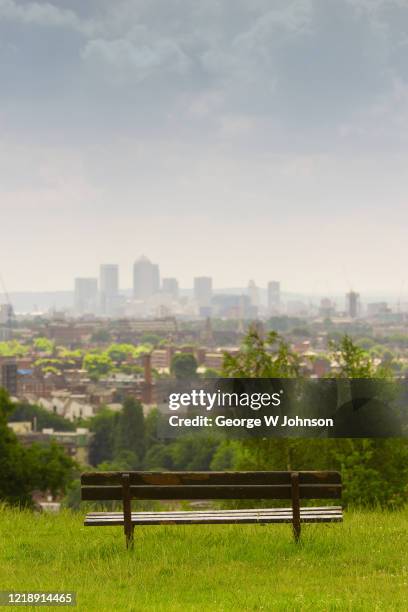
x: 241, y: 139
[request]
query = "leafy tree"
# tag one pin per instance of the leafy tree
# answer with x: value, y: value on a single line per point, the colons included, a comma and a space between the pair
x: 159, y: 457
x: 67, y: 354
x: 22, y: 470
x: 72, y: 498
x: 262, y: 358
x: 226, y: 456
x: 193, y: 452
x: 353, y: 361
x: 102, y: 443
x: 183, y: 365
x: 130, y: 429
x: 150, y: 339
x: 374, y: 470
x: 151, y: 426
x: 142, y: 349
x: 52, y: 469
x: 44, y: 345
x: 15, y: 473
x: 101, y: 335
x: 50, y: 370
x: 125, y: 460
x: 211, y: 373
x: 22, y: 411
x: 12, y: 349
x: 97, y: 364
x: 120, y: 352
x: 49, y: 364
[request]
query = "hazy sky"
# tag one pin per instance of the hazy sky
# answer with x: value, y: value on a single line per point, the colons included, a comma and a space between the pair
x: 241, y: 139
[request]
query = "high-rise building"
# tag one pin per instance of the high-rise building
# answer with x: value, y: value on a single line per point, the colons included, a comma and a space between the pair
x: 353, y: 304
x: 8, y: 375
x: 253, y: 294
x: 273, y: 296
x: 108, y: 287
x: 203, y: 294
x: 86, y: 295
x: 6, y: 319
x: 170, y: 287
x: 146, y: 278
x: 6, y: 314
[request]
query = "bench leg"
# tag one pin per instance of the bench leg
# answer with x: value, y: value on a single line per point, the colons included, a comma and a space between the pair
x: 295, y: 505
x: 127, y: 511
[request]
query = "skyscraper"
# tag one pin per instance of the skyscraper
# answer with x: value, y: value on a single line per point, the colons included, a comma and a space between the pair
x: 86, y: 294
x: 8, y: 374
x: 203, y: 294
x: 146, y: 278
x: 170, y: 287
x: 253, y: 294
x: 353, y: 304
x: 6, y: 314
x: 6, y: 318
x: 108, y: 287
x: 273, y: 296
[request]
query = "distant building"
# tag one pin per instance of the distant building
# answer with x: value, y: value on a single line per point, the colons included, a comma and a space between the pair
x: 231, y: 306
x: 146, y: 279
x: 353, y: 304
x: 170, y: 287
x: 253, y: 295
x: 108, y: 287
x: 327, y: 308
x: 203, y: 294
x: 376, y: 309
x: 6, y: 314
x: 6, y: 319
x: 273, y: 296
x: 86, y: 295
x: 130, y: 330
x: 297, y: 308
x: 8, y: 375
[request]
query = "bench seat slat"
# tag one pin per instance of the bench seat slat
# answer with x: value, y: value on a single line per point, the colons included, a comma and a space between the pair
x: 263, y: 515
x: 195, y: 516
x: 306, y: 510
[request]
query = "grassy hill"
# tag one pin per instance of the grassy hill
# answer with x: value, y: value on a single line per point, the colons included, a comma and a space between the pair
x: 358, y: 565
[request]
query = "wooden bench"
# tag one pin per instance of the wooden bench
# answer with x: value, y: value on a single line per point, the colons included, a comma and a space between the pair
x: 295, y: 486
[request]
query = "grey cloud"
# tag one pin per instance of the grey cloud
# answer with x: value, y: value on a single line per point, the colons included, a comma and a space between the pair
x: 42, y: 14
x: 128, y: 59
x: 297, y: 71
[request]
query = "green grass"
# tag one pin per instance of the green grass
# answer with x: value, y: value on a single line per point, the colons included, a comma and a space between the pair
x: 361, y: 564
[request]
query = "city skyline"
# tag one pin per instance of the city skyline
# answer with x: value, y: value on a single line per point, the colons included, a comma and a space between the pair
x: 322, y: 288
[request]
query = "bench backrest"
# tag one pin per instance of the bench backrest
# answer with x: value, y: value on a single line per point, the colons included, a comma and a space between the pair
x: 99, y: 486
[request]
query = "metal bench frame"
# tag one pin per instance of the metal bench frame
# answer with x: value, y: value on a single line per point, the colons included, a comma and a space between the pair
x: 294, y: 485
